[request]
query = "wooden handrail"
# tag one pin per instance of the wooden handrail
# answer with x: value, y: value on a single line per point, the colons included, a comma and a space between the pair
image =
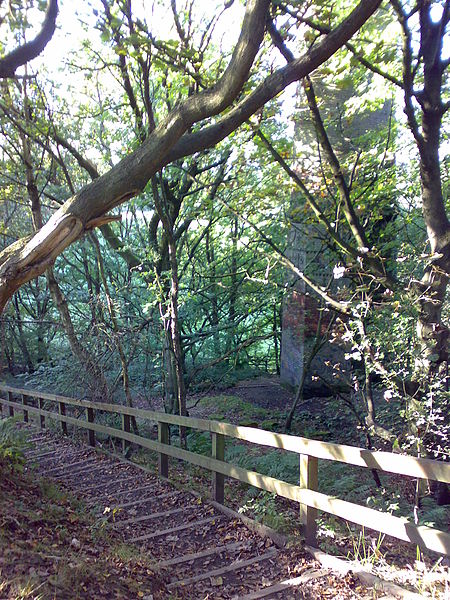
x: 310, y: 499
x: 389, y: 462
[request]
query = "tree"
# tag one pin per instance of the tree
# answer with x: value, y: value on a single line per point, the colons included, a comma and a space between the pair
x: 174, y: 105
x: 171, y: 139
x: 362, y: 224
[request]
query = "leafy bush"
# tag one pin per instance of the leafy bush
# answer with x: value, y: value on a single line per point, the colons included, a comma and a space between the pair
x: 433, y: 515
x: 199, y: 442
x: 281, y: 465
x: 12, y: 443
x: 263, y: 507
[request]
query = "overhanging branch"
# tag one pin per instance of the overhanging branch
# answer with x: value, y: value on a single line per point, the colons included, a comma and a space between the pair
x: 23, y: 54
x: 169, y: 141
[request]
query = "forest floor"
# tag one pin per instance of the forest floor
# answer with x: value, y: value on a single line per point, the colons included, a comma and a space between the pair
x: 51, y: 547
x: 264, y: 402
x: 264, y: 392
x: 69, y: 527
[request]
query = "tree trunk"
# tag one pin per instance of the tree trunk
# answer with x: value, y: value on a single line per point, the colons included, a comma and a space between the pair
x: 116, y: 329
x: 231, y: 340
x: 162, y: 209
x: 214, y: 320
x: 432, y: 332
x: 169, y: 373
x: 275, y: 338
x: 21, y: 338
x: 97, y: 381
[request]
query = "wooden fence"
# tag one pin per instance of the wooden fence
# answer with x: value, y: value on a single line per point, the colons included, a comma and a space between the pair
x: 32, y: 402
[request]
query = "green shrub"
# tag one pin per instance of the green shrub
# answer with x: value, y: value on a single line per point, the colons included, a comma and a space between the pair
x: 199, y: 442
x: 281, y: 465
x: 263, y: 507
x: 12, y: 443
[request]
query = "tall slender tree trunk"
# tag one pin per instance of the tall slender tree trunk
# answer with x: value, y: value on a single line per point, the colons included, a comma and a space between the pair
x: 176, y: 337
x: 169, y: 373
x: 209, y: 248
x: 173, y: 324
x: 21, y: 338
x: 275, y: 338
x: 116, y: 328
x: 432, y: 332
x: 426, y: 97
x: 233, y: 284
x: 97, y: 381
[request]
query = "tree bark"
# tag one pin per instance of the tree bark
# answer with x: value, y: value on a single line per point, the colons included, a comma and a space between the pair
x: 214, y: 319
x: 174, y: 326
x: 231, y: 337
x: 433, y: 334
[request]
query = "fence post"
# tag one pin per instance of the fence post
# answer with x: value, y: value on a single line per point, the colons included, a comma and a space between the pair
x: 62, y: 412
x: 309, y: 480
x: 25, y: 412
x: 126, y: 426
x: 163, y: 459
x: 91, y: 432
x: 218, y: 479
x: 11, y: 408
x: 41, y: 417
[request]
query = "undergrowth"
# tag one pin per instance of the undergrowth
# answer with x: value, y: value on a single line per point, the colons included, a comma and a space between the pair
x: 51, y: 546
x: 12, y: 444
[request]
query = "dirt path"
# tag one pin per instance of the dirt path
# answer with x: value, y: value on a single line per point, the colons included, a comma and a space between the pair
x: 203, y: 553
x: 265, y: 392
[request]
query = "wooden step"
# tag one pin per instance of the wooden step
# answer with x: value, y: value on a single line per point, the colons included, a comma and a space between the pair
x: 163, y: 532
x: 39, y: 455
x: 196, y: 555
x: 68, y: 466
x: 157, y: 515
x: 98, y: 486
x: 38, y: 438
x: 235, y: 566
x: 147, y: 500
x: 122, y: 492
x: 54, y: 455
x: 78, y: 472
x: 283, y: 586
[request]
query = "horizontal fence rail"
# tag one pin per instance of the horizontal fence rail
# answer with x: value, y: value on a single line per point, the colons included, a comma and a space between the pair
x: 309, y: 451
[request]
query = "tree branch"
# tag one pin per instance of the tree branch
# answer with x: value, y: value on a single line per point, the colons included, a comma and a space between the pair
x: 23, y: 54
